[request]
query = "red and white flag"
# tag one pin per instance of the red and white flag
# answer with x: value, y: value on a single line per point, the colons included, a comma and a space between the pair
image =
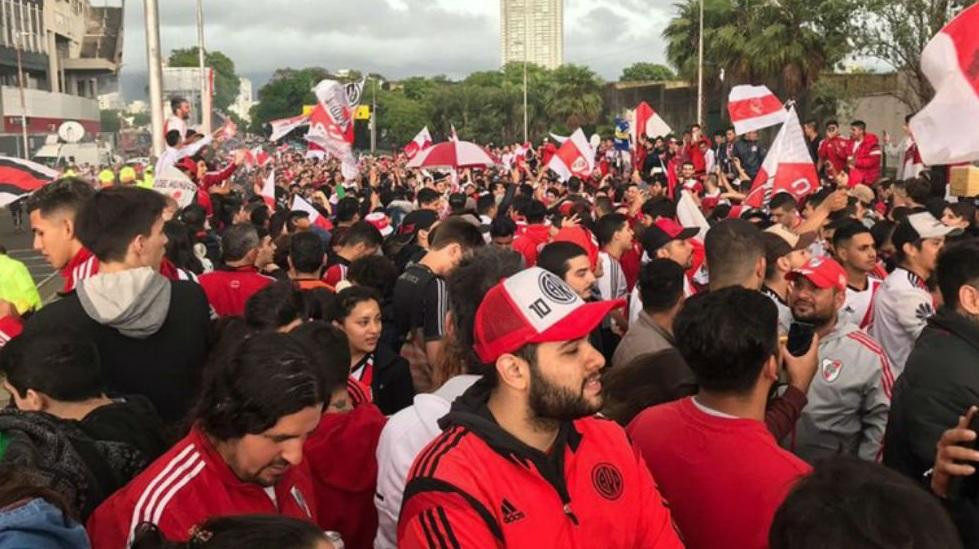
x: 314, y: 151
x: 283, y: 126
x: 945, y: 129
x: 788, y: 167
x: 331, y: 124
x: 268, y: 190
x: 421, y: 142
x: 645, y: 121
x: 559, y: 139
x: 754, y: 107
x: 575, y: 157
x: 20, y: 178
x: 301, y: 205
x: 257, y: 157
x: 453, y: 136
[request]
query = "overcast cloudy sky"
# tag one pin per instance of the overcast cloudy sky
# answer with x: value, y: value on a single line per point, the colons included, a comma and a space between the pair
x: 396, y: 38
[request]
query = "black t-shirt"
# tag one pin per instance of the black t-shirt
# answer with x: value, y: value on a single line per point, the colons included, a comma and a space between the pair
x: 420, y: 302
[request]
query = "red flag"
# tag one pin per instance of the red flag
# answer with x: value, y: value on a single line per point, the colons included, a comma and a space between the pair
x: 646, y: 121
x: 788, y: 166
x: 300, y: 204
x: 945, y: 129
x: 283, y: 126
x: 420, y: 142
x: 754, y: 107
x: 575, y: 157
x: 21, y: 177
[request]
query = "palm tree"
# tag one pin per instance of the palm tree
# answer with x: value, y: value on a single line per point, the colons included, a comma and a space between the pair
x: 576, y: 98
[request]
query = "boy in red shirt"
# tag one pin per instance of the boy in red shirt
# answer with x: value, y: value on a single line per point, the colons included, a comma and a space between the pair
x: 712, y: 456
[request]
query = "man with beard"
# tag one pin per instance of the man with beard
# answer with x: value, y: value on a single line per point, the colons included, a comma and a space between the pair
x: 522, y: 460
x: 665, y: 239
x: 243, y: 455
x: 850, y: 398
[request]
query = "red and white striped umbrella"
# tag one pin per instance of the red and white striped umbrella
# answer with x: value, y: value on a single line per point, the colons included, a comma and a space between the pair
x: 453, y: 154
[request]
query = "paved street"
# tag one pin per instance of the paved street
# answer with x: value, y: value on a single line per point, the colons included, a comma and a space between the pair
x: 18, y: 246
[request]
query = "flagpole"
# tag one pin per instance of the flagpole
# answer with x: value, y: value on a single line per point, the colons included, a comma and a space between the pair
x: 526, y: 47
x: 151, y: 17
x: 373, y: 115
x: 21, y: 82
x: 205, y: 89
x: 700, y: 67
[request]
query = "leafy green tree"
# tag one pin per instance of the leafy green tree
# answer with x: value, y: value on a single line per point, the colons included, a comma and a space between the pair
x: 576, y: 98
x: 111, y: 120
x: 141, y: 119
x: 226, y: 81
x: 896, y: 31
x: 642, y: 71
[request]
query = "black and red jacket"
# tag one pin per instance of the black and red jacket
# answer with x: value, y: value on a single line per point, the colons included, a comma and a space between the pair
x: 476, y: 485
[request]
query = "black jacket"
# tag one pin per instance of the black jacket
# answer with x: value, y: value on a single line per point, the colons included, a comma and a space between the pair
x: 939, y: 383
x: 751, y: 154
x: 391, y: 385
x: 164, y: 367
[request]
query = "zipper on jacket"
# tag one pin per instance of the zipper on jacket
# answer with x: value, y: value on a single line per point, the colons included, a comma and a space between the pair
x: 570, y: 513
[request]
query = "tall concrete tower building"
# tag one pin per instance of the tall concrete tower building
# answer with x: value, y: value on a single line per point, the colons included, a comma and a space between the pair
x: 532, y: 30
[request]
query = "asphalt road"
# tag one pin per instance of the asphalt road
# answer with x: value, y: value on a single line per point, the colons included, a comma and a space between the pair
x: 18, y: 244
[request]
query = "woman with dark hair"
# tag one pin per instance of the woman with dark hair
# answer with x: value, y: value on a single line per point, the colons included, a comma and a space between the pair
x: 180, y: 248
x: 278, y: 306
x: 384, y: 375
x: 241, y: 532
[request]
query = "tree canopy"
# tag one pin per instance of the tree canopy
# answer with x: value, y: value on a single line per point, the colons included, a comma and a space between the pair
x: 642, y: 71
x: 226, y: 81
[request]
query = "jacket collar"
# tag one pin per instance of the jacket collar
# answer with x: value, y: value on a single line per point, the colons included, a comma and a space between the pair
x: 647, y: 321
x: 949, y: 320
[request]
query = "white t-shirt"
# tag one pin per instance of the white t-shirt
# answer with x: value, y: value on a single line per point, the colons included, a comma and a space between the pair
x: 901, y: 310
x: 612, y: 284
x: 858, y: 307
x: 175, y: 123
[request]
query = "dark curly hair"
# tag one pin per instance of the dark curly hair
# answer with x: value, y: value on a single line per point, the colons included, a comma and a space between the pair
x: 265, y: 377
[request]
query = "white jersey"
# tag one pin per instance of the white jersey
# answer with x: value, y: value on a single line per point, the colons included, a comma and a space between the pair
x: 858, y: 308
x: 901, y: 310
x: 612, y: 284
x: 175, y: 123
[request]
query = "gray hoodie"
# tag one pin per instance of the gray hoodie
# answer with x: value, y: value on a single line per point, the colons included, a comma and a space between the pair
x: 849, y: 399
x: 135, y: 301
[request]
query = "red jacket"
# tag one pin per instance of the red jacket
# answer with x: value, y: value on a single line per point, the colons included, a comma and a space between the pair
x: 834, y: 150
x: 337, y: 272
x: 529, y: 243
x: 228, y: 290
x: 476, y: 485
x: 10, y: 327
x: 342, y: 462
x: 80, y: 267
x: 866, y: 161
x: 191, y: 483
x: 724, y: 477
x: 209, y: 180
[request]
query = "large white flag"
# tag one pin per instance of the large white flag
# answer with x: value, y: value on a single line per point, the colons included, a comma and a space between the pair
x: 946, y: 129
x: 331, y: 124
x: 283, y: 126
x: 575, y: 157
x: 752, y: 108
x: 421, y: 141
x: 646, y: 121
x: 788, y: 167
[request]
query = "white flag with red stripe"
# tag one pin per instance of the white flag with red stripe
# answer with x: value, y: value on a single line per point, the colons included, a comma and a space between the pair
x: 301, y: 205
x: 752, y: 108
x: 283, y: 126
x: 21, y: 177
x: 945, y: 129
x: 645, y: 121
x: 268, y: 190
x: 788, y: 167
x: 575, y: 157
x: 421, y: 141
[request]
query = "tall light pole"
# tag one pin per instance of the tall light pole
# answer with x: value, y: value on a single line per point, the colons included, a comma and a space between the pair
x: 155, y: 69
x: 23, y: 101
x: 373, y: 115
x: 700, y: 67
x: 205, y: 88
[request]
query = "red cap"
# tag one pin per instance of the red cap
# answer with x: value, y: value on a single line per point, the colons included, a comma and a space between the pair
x: 821, y: 271
x: 581, y: 237
x: 675, y: 230
x: 533, y: 306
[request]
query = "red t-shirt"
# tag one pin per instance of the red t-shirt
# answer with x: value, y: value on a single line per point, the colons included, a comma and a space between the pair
x: 724, y: 477
x: 227, y: 291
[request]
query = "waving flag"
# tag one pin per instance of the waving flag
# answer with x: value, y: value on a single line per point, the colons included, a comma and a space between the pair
x: 754, y: 107
x: 20, y: 178
x: 300, y: 204
x: 945, y: 129
x: 283, y: 126
x: 646, y: 121
x: 420, y: 142
x: 331, y: 124
x: 559, y: 139
x: 268, y: 190
x: 788, y: 166
x: 257, y: 157
x: 575, y: 157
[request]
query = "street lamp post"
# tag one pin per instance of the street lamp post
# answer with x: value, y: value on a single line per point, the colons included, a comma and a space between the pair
x: 700, y: 67
x: 153, y: 63
x: 23, y: 100
x: 205, y: 88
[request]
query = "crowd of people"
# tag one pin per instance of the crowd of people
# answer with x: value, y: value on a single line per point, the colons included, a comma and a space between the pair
x: 496, y: 357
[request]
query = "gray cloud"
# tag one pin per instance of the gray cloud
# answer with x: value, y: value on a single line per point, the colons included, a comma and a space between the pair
x: 396, y: 38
